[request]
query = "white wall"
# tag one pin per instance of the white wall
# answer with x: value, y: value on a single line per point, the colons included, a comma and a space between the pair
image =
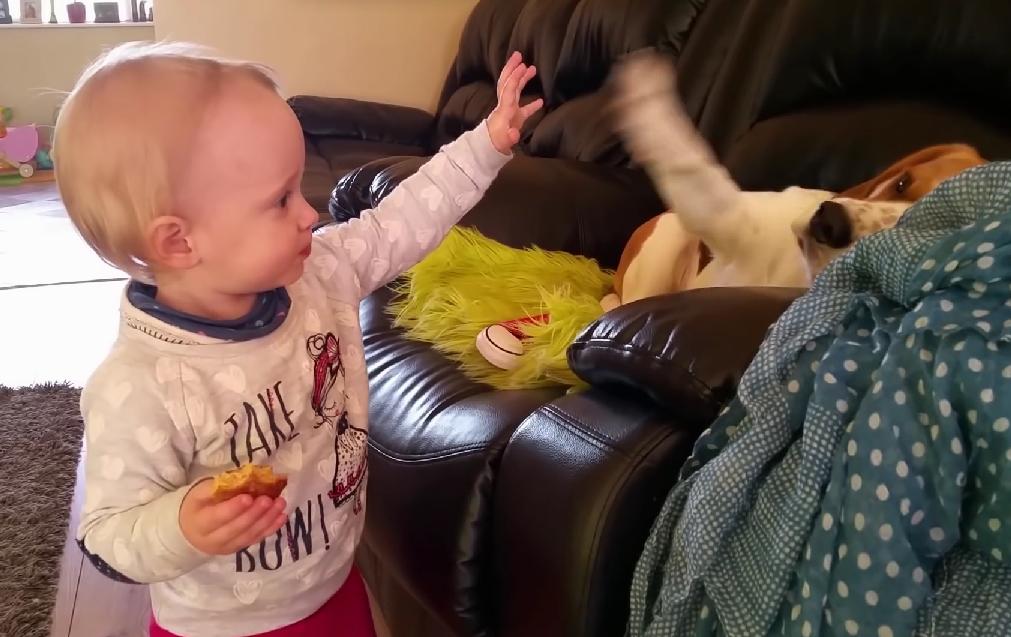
x: 396, y: 51
x: 39, y: 62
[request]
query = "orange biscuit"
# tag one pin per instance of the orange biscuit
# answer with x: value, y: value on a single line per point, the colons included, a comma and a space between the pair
x: 254, y: 479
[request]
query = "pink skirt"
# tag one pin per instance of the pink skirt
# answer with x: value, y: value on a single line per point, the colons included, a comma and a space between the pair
x: 346, y: 614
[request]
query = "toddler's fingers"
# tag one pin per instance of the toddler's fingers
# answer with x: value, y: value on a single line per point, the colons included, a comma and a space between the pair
x: 265, y: 527
x: 231, y: 521
x: 527, y: 76
x: 531, y: 108
x: 510, y: 92
x: 507, y: 71
x: 207, y: 514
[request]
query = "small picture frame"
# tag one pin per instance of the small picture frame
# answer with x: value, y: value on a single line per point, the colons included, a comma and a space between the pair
x: 31, y: 12
x: 106, y: 12
x: 5, y: 12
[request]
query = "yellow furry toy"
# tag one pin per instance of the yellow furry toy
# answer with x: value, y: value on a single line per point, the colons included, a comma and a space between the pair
x: 471, y: 285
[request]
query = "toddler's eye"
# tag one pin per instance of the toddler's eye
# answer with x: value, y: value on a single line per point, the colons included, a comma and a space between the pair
x: 283, y: 201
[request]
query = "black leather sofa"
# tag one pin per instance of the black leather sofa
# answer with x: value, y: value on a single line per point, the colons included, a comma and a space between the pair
x: 522, y: 513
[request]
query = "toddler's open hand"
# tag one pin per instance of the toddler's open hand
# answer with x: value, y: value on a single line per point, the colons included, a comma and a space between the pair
x: 221, y: 528
x: 506, y: 121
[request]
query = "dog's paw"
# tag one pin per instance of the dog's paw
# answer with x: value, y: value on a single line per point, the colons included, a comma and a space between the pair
x: 646, y: 110
x: 641, y: 77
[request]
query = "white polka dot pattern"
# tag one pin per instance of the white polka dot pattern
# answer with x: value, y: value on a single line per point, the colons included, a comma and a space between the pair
x: 870, y: 459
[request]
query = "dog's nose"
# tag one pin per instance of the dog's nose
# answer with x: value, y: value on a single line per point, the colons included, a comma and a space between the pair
x: 830, y: 225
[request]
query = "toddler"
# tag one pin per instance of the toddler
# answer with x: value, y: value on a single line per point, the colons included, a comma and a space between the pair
x: 239, y: 339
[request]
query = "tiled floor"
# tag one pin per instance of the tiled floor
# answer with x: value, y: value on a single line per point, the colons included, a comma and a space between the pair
x: 58, y: 317
x: 58, y: 301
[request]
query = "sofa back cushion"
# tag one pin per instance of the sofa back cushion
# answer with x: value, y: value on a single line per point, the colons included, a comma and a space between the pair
x: 843, y: 89
x: 573, y: 43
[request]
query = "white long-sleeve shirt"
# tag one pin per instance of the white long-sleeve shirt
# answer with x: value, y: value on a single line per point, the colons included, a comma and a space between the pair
x: 168, y: 408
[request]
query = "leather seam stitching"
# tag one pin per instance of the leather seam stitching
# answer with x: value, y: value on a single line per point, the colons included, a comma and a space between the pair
x: 448, y: 454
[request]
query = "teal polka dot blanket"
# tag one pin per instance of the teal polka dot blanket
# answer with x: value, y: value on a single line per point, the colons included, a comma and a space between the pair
x: 860, y: 483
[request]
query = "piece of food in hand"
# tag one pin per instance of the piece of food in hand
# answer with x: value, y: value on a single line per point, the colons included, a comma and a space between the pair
x: 254, y: 479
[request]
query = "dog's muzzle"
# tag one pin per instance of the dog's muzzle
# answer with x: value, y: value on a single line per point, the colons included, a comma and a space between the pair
x: 830, y: 225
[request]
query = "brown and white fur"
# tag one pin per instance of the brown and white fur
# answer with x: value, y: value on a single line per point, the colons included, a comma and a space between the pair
x: 781, y: 238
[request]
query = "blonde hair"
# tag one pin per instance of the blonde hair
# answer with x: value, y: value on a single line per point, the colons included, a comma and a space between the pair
x: 124, y: 132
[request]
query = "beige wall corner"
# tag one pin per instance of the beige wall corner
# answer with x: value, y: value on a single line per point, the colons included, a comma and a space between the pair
x: 395, y: 51
x: 41, y: 63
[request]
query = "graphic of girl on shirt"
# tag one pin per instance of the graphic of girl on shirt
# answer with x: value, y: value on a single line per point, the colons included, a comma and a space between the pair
x: 350, y: 451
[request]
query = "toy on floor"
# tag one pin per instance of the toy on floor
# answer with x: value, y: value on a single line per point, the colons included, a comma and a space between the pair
x: 465, y: 296
x: 21, y: 151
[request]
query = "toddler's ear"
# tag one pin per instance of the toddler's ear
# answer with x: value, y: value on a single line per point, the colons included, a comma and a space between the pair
x: 168, y: 243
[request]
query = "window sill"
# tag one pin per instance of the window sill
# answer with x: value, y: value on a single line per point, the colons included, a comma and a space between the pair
x: 82, y: 25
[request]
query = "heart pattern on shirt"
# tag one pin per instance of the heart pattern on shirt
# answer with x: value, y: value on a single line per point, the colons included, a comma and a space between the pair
x: 393, y: 228
x: 325, y: 467
x: 232, y: 378
x: 121, y: 552
x: 326, y: 264
x: 356, y: 248
x: 119, y: 393
x: 112, y: 467
x: 177, y: 414
x: 151, y: 440
x: 188, y: 374
x: 354, y: 357
x: 216, y: 566
x: 305, y: 578
x: 283, y: 349
x: 346, y: 315
x: 432, y: 197
x: 247, y: 591
x: 379, y: 269
x: 165, y: 370
x: 312, y: 324
x: 186, y: 588
x: 174, y: 474
x: 156, y: 546
x: 96, y: 425
x: 198, y: 410
x: 290, y: 456
x: 217, y: 459
x: 425, y: 237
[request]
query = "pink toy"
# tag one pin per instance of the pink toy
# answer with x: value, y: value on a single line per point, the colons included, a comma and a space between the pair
x: 18, y: 146
x: 21, y: 143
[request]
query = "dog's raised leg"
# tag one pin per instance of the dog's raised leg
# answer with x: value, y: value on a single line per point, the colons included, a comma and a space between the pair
x: 661, y: 137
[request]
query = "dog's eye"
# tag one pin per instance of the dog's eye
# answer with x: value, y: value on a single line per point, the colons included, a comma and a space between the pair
x: 903, y: 183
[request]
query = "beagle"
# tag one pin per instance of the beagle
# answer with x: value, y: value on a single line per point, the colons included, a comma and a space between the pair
x: 782, y: 238
x: 854, y: 213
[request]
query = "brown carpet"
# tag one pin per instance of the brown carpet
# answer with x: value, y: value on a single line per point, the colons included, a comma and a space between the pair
x: 40, y: 441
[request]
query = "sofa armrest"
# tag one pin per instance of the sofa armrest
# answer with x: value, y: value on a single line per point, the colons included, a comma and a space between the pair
x: 686, y: 352
x: 580, y: 484
x: 364, y: 187
x: 361, y: 120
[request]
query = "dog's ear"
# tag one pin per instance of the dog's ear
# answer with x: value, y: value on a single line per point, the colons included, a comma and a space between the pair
x: 970, y: 155
x: 863, y: 190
